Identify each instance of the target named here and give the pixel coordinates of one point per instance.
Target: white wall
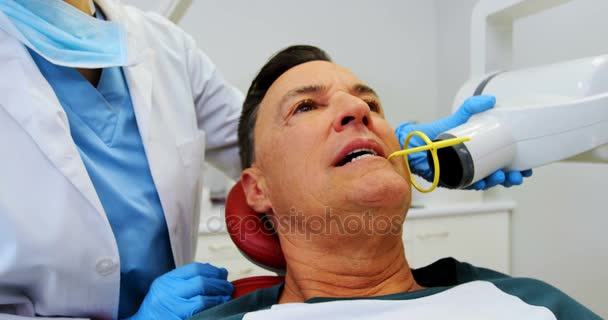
(391, 44)
(453, 27)
(558, 227)
(573, 30)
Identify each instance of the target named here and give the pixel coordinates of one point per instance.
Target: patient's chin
(379, 189)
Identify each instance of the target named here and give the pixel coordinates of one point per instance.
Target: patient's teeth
(361, 157)
(364, 149)
(358, 154)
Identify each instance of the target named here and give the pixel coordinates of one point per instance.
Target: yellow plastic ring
(432, 146)
(435, 161)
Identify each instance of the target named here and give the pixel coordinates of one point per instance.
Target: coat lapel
(140, 73)
(158, 139)
(32, 103)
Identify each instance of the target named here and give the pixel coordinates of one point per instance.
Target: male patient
(314, 142)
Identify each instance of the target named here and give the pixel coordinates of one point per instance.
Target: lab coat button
(105, 267)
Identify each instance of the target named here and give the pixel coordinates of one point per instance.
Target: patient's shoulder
(237, 308)
(449, 272)
(538, 293)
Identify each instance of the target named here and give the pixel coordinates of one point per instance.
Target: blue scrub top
(103, 126)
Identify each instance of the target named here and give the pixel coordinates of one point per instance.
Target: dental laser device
(542, 115)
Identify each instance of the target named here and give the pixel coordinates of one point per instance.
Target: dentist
(106, 114)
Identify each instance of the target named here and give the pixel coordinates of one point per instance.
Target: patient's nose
(352, 112)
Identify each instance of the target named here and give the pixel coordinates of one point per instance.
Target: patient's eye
(373, 105)
(305, 106)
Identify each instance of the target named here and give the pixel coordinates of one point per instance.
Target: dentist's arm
(418, 161)
(218, 109)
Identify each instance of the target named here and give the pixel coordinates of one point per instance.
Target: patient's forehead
(312, 73)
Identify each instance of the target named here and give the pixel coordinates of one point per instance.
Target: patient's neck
(363, 266)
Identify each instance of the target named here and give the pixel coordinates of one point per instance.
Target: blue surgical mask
(64, 35)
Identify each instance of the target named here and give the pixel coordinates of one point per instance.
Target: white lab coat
(58, 255)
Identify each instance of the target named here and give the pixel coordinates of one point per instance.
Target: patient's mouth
(357, 155)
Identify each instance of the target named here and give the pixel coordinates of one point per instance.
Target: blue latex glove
(418, 161)
(185, 291)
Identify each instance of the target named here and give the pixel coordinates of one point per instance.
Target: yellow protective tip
(432, 146)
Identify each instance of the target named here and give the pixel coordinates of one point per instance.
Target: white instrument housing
(542, 115)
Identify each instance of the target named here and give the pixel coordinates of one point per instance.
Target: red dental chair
(250, 233)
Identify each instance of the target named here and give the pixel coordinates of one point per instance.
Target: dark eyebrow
(358, 88)
(364, 89)
(316, 88)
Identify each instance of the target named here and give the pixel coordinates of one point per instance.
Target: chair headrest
(249, 232)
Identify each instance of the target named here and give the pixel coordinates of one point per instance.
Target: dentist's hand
(418, 161)
(185, 291)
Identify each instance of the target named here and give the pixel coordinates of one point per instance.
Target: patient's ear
(255, 190)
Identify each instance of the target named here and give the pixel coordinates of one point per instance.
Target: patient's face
(322, 141)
